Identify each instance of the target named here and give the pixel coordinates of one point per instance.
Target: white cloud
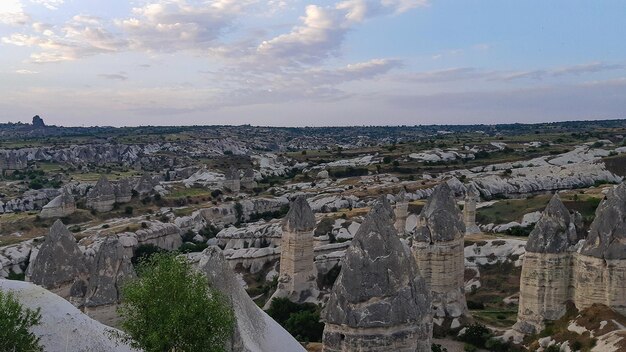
(171, 25)
(49, 4)
(80, 37)
(323, 29)
(12, 13)
(26, 72)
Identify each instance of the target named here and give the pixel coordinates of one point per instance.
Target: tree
(15, 322)
(169, 307)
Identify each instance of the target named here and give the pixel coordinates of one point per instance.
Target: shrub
(438, 348)
(476, 335)
(128, 210)
(305, 326)
(169, 307)
(15, 322)
(144, 251)
(300, 320)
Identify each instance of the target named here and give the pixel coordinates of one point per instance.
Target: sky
(311, 63)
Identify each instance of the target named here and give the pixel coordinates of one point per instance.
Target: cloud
(26, 72)
(171, 25)
(602, 99)
(80, 37)
(49, 4)
(445, 75)
(121, 76)
(12, 13)
(323, 29)
(574, 70)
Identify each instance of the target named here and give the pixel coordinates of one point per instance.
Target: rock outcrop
(401, 211)
(232, 180)
(145, 185)
(123, 191)
(254, 330)
(58, 262)
(110, 267)
(102, 196)
(63, 205)
(298, 274)
(546, 280)
(379, 302)
(600, 267)
(248, 181)
(472, 197)
(438, 249)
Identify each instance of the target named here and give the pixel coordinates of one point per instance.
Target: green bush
(438, 348)
(476, 335)
(169, 307)
(15, 323)
(300, 320)
(144, 251)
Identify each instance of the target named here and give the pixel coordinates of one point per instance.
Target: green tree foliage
(15, 322)
(476, 335)
(300, 320)
(169, 307)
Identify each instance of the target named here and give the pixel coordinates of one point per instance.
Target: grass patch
(509, 210)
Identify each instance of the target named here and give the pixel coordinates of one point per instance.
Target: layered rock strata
(101, 197)
(472, 197)
(438, 249)
(401, 210)
(298, 273)
(600, 266)
(232, 180)
(63, 205)
(379, 302)
(248, 181)
(546, 280)
(123, 191)
(59, 261)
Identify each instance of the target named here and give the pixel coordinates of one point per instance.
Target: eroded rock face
(123, 191)
(607, 234)
(600, 267)
(438, 247)
(298, 273)
(102, 196)
(546, 282)
(110, 267)
(379, 302)
(59, 260)
(472, 197)
(145, 185)
(63, 205)
(255, 330)
(556, 230)
(401, 211)
(232, 181)
(248, 181)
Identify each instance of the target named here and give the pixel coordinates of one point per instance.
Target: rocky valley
(410, 238)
